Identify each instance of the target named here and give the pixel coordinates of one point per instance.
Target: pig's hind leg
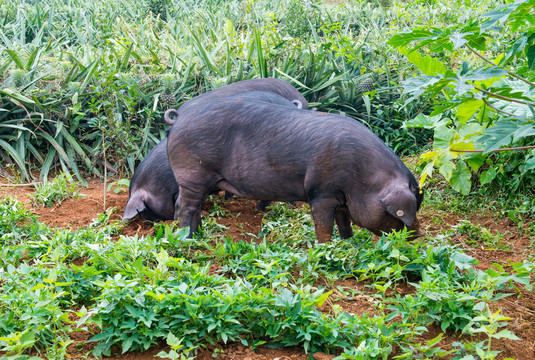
(188, 209)
(343, 221)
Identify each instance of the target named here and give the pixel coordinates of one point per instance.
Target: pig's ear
(134, 206)
(401, 204)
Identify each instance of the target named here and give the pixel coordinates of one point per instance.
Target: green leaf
(523, 131)
(506, 334)
(405, 38)
(498, 135)
(475, 160)
(498, 15)
(446, 169)
(443, 137)
(460, 178)
(16, 157)
(426, 122)
(530, 163)
(428, 65)
(458, 39)
(530, 54)
(463, 261)
(467, 109)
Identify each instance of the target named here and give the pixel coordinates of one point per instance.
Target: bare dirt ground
(73, 213)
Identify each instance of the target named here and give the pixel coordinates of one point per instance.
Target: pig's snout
(417, 231)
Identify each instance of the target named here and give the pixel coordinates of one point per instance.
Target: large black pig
(268, 152)
(153, 188)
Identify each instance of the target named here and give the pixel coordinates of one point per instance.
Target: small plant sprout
(119, 186)
(488, 324)
(60, 188)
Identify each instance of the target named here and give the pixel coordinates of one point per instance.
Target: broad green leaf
(467, 109)
(462, 86)
(426, 122)
(428, 65)
(463, 261)
(475, 160)
(530, 54)
(524, 131)
(446, 169)
(518, 46)
(405, 38)
(460, 178)
(481, 74)
(498, 135)
(458, 39)
(497, 16)
(469, 131)
(522, 14)
(506, 334)
(443, 137)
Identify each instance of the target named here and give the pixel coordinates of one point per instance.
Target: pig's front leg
(323, 213)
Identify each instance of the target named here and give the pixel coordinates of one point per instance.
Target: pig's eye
(400, 213)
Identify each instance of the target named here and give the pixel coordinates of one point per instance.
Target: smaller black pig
(153, 188)
(270, 152)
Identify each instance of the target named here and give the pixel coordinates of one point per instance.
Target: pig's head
(399, 205)
(149, 207)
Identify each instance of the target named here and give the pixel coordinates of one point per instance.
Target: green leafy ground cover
(133, 292)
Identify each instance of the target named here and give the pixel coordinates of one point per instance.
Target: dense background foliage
(85, 83)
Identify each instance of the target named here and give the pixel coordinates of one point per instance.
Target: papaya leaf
(498, 135)
(405, 38)
(426, 122)
(530, 54)
(460, 178)
(467, 109)
(427, 64)
(523, 131)
(443, 137)
(446, 169)
(487, 176)
(523, 13)
(458, 39)
(417, 86)
(497, 16)
(475, 160)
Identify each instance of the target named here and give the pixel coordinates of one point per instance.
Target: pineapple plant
(17, 79)
(366, 85)
(167, 96)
